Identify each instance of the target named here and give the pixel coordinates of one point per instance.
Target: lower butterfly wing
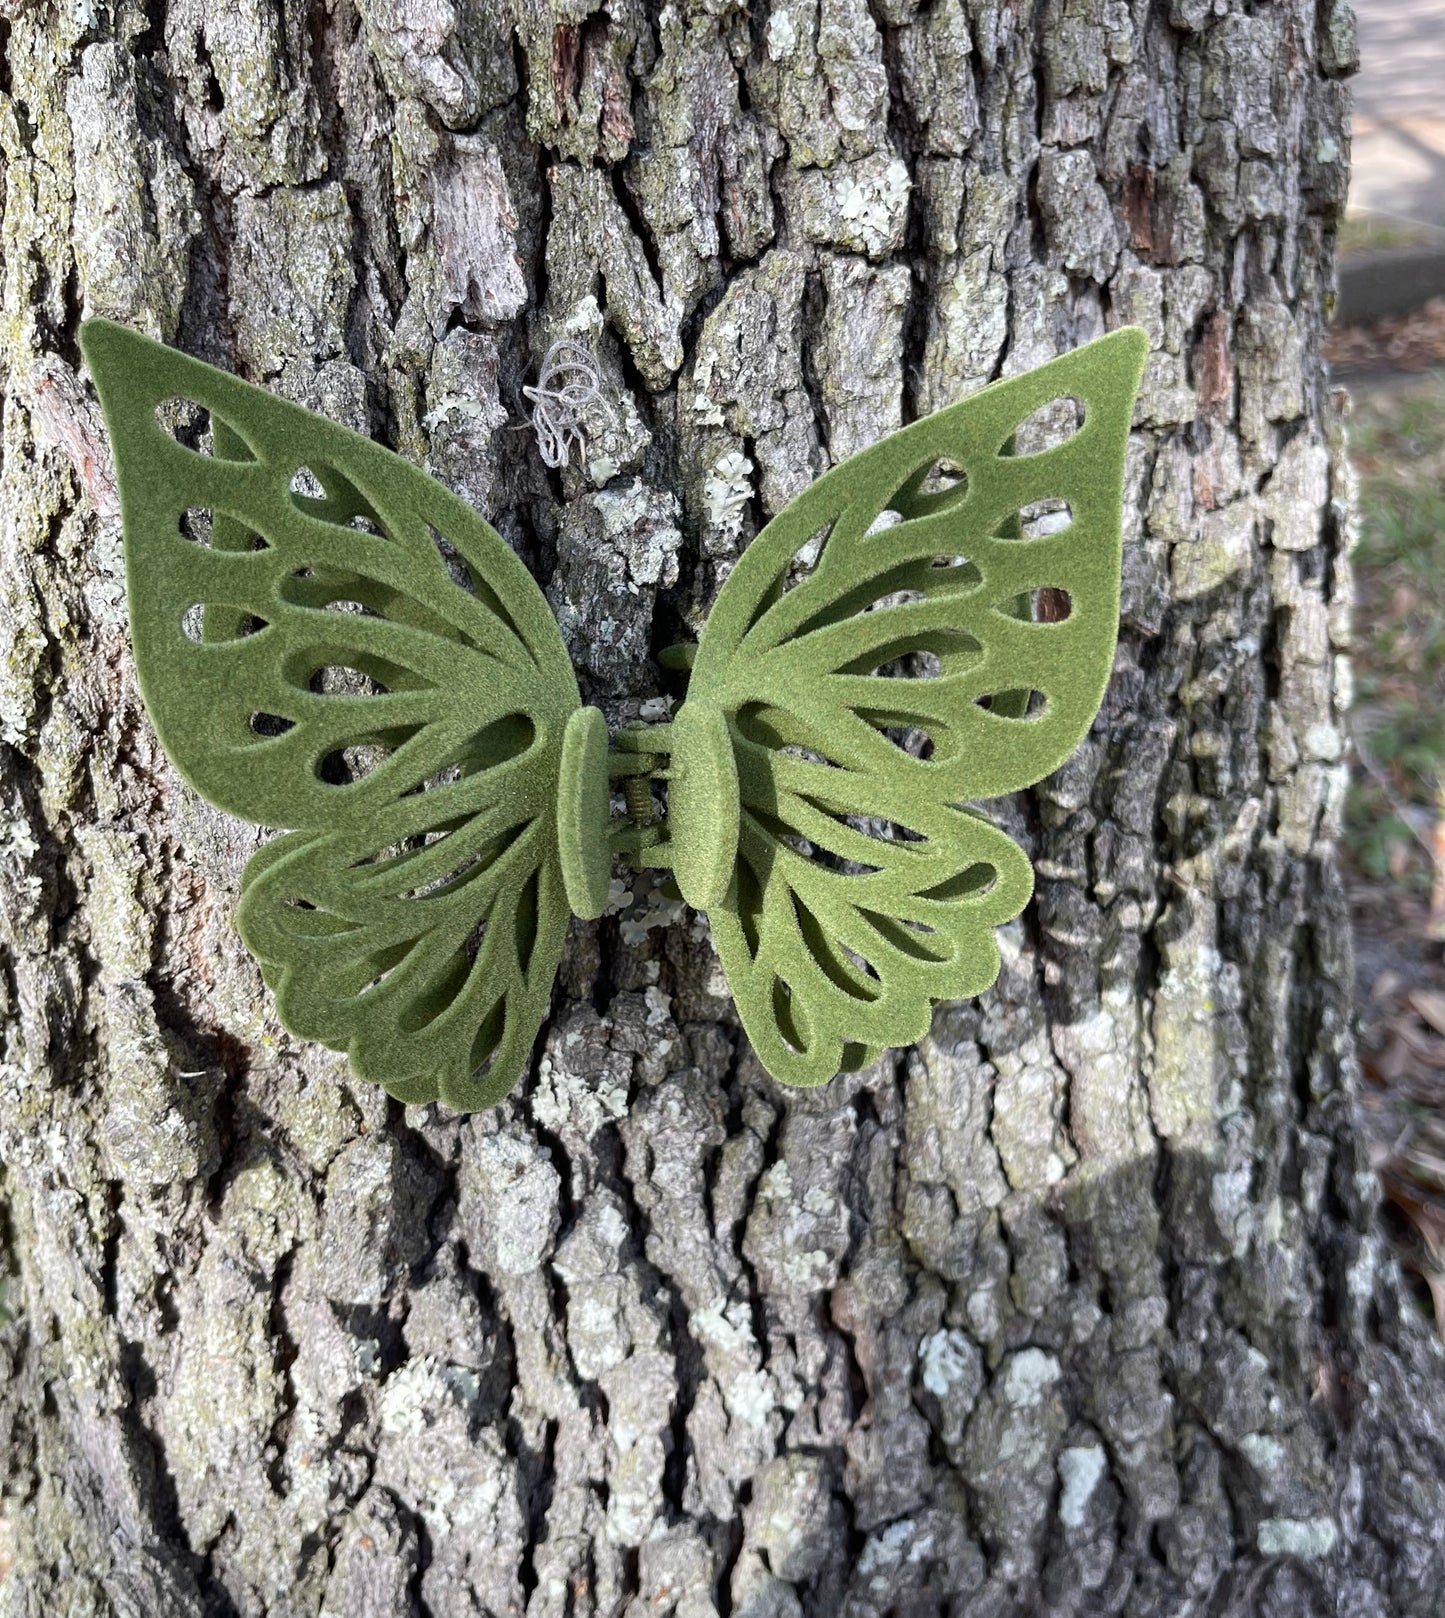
(423, 944)
(874, 670)
(371, 667)
(853, 908)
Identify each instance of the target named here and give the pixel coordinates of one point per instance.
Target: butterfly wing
(872, 680)
(373, 669)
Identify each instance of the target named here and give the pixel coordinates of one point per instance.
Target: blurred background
(1388, 351)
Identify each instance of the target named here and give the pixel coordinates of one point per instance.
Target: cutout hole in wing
(1051, 605)
(972, 882)
(810, 552)
(911, 938)
(945, 476)
(1023, 704)
(344, 766)
(848, 828)
(424, 1009)
(499, 742)
(921, 579)
(193, 427)
(333, 592)
(215, 624)
(399, 862)
(933, 487)
(461, 574)
(800, 566)
(920, 655)
(892, 832)
(488, 1038)
(444, 777)
(840, 965)
(392, 856)
(1049, 426)
(202, 526)
(1038, 519)
(781, 832)
(339, 680)
(195, 524)
(270, 724)
(308, 920)
(383, 964)
(775, 729)
(749, 905)
(318, 490)
(463, 577)
(528, 910)
(451, 882)
(898, 729)
(788, 1015)
(307, 484)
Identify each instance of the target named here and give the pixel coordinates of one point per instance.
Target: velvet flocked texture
(931, 623)
(313, 662)
(372, 668)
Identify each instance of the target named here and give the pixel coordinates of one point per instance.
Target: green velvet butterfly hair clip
(373, 669)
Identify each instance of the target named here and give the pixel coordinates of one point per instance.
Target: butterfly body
(703, 801)
(374, 672)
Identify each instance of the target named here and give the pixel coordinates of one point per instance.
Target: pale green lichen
(946, 1359)
(411, 1395)
(1311, 1539)
(1025, 1128)
(873, 207)
(728, 489)
(1081, 1470)
(1029, 1374)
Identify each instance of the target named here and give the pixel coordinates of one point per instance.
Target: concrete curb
(1374, 286)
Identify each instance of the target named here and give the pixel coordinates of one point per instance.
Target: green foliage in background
(1397, 441)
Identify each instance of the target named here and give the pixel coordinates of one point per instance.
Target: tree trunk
(1077, 1307)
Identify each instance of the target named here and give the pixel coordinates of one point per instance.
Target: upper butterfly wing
(373, 667)
(875, 677)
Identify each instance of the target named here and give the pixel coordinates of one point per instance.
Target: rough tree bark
(1075, 1308)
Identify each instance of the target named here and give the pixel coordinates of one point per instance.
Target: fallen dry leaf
(1427, 1219)
(1429, 1004)
(1386, 984)
(1394, 1063)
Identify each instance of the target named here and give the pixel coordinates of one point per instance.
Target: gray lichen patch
(1081, 1470)
(858, 354)
(509, 1194)
(592, 240)
(746, 382)
(250, 91)
(861, 206)
(135, 216)
(474, 233)
(295, 277)
(453, 57)
(617, 546)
